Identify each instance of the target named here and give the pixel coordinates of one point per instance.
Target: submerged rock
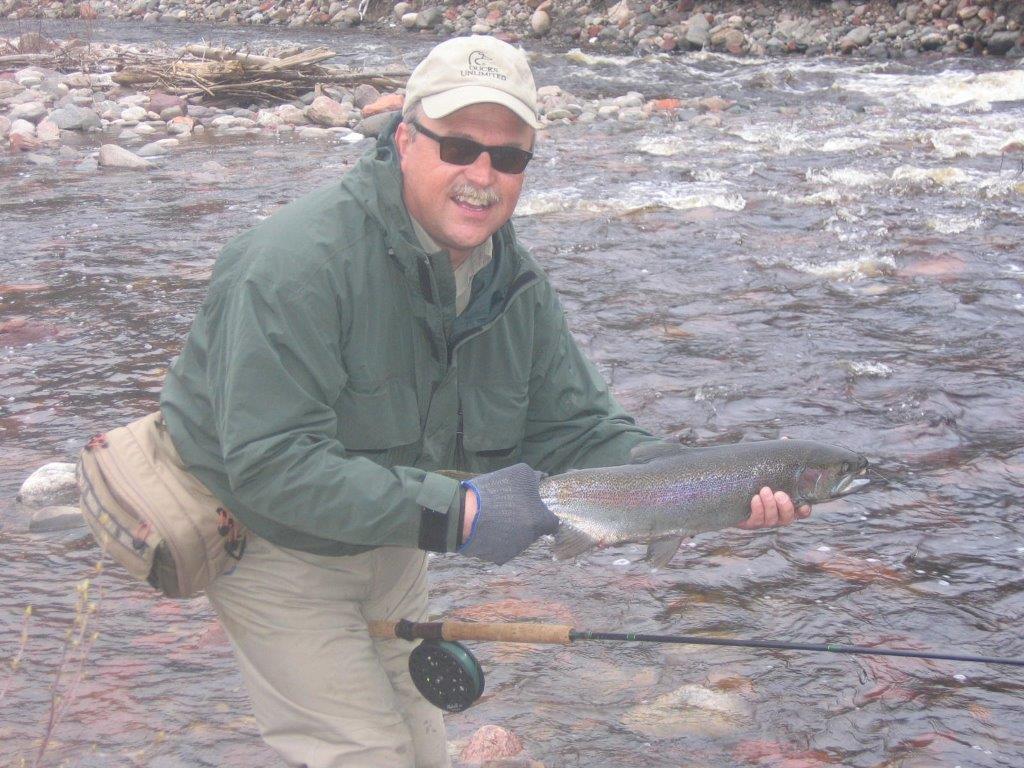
(490, 743)
(689, 710)
(56, 518)
(113, 156)
(51, 484)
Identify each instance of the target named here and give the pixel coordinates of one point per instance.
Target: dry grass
(69, 671)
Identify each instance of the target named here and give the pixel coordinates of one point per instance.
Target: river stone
(24, 127)
(348, 16)
(29, 77)
(268, 119)
(387, 103)
(429, 18)
(33, 111)
(855, 38)
(5, 126)
(52, 483)
(1001, 43)
(409, 19)
(697, 31)
(292, 115)
(47, 130)
(327, 112)
(159, 101)
(364, 94)
(134, 114)
(688, 711)
(113, 156)
(540, 22)
(56, 518)
(490, 742)
(43, 161)
(157, 148)
(181, 125)
(374, 124)
(9, 88)
(75, 118)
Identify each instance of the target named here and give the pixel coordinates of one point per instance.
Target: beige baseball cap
(473, 70)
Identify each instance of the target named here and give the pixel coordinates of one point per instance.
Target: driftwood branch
(228, 74)
(25, 58)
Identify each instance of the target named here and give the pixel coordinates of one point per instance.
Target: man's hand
(503, 514)
(770, 510)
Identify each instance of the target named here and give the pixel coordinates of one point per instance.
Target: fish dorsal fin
(656, 449)
(660, 551)
(571, 542)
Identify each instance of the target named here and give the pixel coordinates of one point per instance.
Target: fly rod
(449, 676)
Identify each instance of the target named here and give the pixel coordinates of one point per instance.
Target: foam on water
(780, 139)
(576, 56)
(953, 225)
(846, 144)
(943, 177)
(868, 368)
(869, 265)
(970, 91)
(845, 177)
(664, 146)
(676, 198)
(955, 88)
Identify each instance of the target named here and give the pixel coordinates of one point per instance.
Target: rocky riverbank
(876, 28)
(49, 113)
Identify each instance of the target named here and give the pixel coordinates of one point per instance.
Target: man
(372, 332)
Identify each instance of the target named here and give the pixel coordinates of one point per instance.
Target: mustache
(477, 196)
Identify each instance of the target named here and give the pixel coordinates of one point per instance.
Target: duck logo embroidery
(482, 65)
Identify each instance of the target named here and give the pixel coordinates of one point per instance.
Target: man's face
(461, 206)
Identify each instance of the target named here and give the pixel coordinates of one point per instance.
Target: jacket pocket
(494, 422)
(381, 423)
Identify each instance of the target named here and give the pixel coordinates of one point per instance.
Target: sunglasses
(458, 151)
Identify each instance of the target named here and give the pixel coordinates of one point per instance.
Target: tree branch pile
(224, 75)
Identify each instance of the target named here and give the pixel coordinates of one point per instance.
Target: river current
(836, 257)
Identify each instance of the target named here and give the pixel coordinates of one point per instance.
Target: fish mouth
(850, 483)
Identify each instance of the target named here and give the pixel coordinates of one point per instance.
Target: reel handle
(513, 632)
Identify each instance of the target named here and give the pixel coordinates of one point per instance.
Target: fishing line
(450, 677)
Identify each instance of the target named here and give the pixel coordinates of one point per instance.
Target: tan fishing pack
(150, 514)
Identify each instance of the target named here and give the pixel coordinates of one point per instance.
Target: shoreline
(874, 28)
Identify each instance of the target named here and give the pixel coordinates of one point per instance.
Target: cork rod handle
(511, 632)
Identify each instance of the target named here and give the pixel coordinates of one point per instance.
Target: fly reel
(446, 674)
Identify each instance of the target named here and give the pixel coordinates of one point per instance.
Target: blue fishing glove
(510, 515)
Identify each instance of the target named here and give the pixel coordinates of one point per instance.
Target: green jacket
(326, 375)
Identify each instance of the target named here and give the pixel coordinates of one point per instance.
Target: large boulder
(697, 32)
(1001, 43)
(327, 112)
(855, 38)
(75, 118)
(51, 484)
(33, 111)
(113, 156)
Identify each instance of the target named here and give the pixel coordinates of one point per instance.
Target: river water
(838, 258)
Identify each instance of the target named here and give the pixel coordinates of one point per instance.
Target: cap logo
(481, 65)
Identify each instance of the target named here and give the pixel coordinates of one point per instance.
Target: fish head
(829, 471)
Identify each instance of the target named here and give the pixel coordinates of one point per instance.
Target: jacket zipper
(521, 283)
(460, 449)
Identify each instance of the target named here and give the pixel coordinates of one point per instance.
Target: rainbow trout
(671, 492)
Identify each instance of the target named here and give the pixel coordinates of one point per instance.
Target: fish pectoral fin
(571, 542)
(656, 449)
(660, 551)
